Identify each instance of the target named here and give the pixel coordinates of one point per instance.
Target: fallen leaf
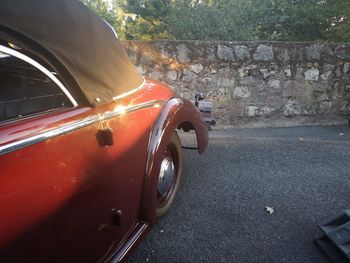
(269, 210)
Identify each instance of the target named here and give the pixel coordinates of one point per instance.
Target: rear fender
(175, 112)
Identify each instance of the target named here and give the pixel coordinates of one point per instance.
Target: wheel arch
(176, 113)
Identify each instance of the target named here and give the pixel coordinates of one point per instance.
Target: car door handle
(105, 137)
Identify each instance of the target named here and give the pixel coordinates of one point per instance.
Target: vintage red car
(89, 152)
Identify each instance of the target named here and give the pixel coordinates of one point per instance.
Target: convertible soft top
(86, 45)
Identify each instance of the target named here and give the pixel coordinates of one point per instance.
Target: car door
(60, 182)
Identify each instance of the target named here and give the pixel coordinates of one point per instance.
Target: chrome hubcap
(166, 176)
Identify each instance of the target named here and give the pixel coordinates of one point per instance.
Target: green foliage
(279, 20)
(301, 20)
(102, 8)
(108, 11)
(147, 20)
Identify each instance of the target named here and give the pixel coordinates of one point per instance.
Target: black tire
(173, 152)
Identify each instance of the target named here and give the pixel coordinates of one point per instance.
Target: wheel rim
(167, 177)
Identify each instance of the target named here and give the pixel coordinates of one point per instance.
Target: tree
(301, 20)
(108, 10)
(294, 20)
(146, 19)
(279, 20)
(102, 8)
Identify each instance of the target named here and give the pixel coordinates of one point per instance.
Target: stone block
(241, 92)
(274, 83)
(291, 108)
(225, 53)
(243, 72)
(266, 111)
(313, 52)
(242, 53)
(183, 55)
(287, 72)
(171, 75)
(225, 82)
(343, 52)
(189, 76)
(133, 55)
(264, 53)
(156, 75)
(251, 111)
(147, 60)
(312, 74)
(210, 53)
(326, 106)
(281, 54)
(346, 68)
(328, 67)
(325, 76)
(267, 73)
(197, 68)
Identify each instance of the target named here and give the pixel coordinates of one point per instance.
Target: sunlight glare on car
(120, 109)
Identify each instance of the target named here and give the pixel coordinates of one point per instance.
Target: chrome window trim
(10, 147)
(111, 28)
(35, 64)
(126, 94)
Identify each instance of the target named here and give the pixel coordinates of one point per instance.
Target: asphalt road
(219, 213)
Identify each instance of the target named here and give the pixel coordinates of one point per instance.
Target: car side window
(25, 90)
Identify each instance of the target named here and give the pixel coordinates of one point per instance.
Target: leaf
(270, 210)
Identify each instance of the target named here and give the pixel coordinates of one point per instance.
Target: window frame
(8, 51)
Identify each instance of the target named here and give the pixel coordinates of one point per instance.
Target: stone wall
(268, 82)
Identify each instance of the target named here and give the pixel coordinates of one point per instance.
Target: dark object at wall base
(206, 108)
(336, 239)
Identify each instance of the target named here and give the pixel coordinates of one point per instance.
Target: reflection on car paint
(120, 110)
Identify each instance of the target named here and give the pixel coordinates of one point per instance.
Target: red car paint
(57, 196)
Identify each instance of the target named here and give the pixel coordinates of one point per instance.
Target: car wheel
(169, 175)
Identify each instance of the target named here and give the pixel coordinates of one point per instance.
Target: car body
(89, 154)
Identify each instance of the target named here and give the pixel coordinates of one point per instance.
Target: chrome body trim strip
(10, 147)
(35, 64)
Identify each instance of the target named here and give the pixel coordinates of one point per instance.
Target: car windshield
(25, 90)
